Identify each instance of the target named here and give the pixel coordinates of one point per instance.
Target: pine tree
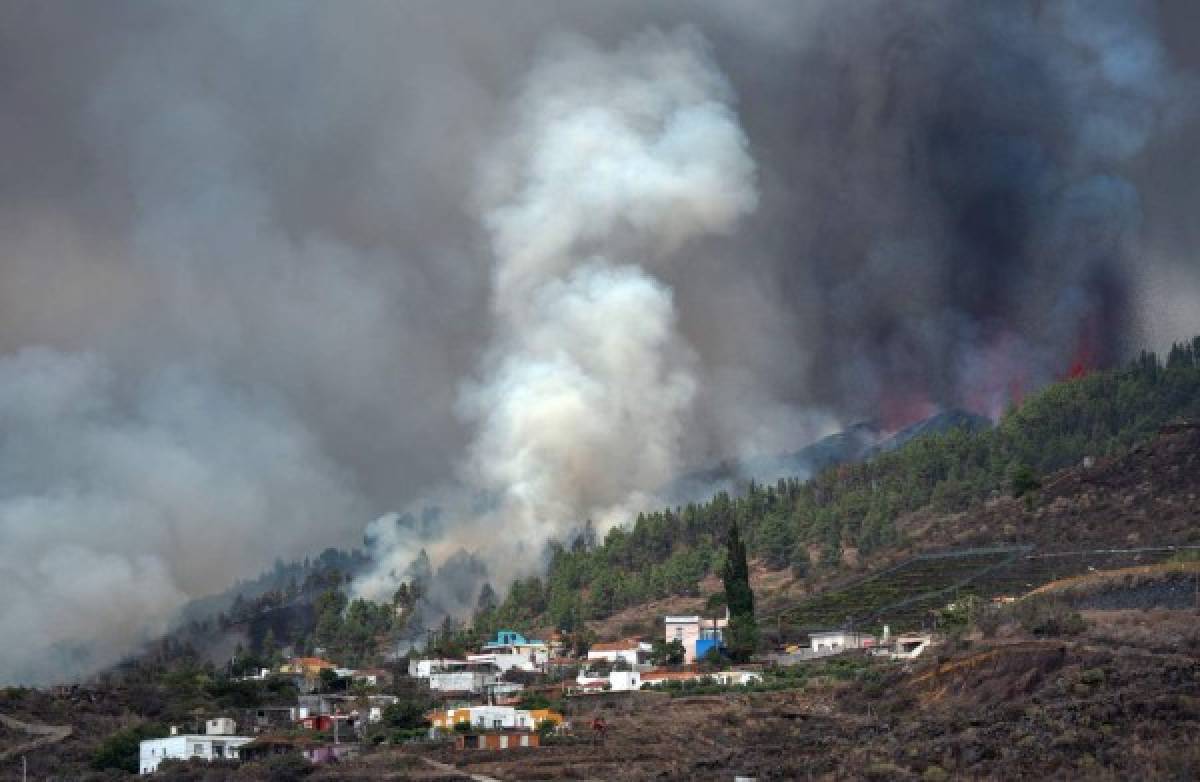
(487, 599)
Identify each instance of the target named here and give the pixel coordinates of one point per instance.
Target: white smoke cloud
(616, 159)
(120, 500)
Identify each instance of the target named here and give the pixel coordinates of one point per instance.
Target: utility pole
(24, 769)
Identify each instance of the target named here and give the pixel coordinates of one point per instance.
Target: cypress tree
(741, 637)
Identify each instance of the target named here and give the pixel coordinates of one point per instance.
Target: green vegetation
(804, 525)
(536, 700)
(664, 653)
(741, 636)
(906, 593)
(120, 750)
(668, 552)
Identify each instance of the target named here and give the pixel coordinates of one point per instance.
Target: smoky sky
(250, 280)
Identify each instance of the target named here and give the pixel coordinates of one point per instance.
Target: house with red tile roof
(633, 651)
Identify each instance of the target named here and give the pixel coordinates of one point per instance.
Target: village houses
(698, 635)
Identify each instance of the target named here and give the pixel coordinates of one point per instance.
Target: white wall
(506, 715)
(460, 681)
(625, 680)
(628, 655)
(840, 641)
(151, 752)
(420, 669)
(505, 662)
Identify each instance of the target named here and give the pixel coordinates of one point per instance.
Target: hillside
(1132, 509)
(1083, 707)
(947, 483)
(1021, 482)
(944, 484)
(1106, 489)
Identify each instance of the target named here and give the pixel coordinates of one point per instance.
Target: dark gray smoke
(252, 263)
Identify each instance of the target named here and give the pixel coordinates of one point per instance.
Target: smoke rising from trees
(271, 270)
(616, 160)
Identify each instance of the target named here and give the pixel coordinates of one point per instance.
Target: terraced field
(903, 596)
(1030, 572)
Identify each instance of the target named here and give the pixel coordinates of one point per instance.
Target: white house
(840, 640)
(209, 746)
(505, 659)
(616, 681)
(512, 642)
(631, 651)
(729, 678)
(909, 647)
(473, 681)
(420, 669)
(491, 717)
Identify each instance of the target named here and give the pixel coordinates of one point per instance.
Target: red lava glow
(996, 377)
(1083, 361)
(900, 410)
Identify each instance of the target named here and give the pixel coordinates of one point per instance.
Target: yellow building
(493, 717)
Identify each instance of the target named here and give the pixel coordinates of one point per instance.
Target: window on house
(197, 749)
(497, 723)
(679, 633)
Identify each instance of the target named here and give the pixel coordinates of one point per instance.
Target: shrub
(121, 749)
(286, 768)
(1023, 481)
(1043, 616)
(406, 714)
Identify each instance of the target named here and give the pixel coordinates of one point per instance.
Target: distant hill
(851, 444)
(940, 423)
(856, 443)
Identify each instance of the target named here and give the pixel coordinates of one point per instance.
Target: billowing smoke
(616, 160)
(285, 268)
(969, 227)
(120, 499)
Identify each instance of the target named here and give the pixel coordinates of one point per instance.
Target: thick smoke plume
(615, 161)
(118, 500)
(269, 270)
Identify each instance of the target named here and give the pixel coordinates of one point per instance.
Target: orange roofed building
(309, 666)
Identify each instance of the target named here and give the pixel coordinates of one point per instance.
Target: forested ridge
(668, 552)
(804, 525)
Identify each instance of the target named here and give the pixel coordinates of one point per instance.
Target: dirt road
(44, 735)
